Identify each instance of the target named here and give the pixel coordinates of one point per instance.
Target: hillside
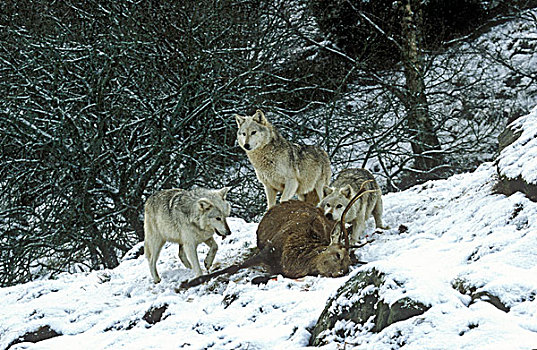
(454, 245)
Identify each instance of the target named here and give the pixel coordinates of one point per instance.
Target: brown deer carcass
(295, 239)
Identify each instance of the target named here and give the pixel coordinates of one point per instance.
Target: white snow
(458, 230)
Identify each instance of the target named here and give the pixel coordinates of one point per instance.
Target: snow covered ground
(459, 232)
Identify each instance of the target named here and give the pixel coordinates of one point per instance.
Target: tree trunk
(423, 139)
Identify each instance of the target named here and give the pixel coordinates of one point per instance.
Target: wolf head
(333, 261)
(335, 200)
(254, 132)
(213, 210)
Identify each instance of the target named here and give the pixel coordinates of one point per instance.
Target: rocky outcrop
(42, 333)
(358, 304)
(517, 162)
(508, 186)
(466, 288)
(154, 315)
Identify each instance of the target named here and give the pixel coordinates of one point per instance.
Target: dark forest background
(104, 102)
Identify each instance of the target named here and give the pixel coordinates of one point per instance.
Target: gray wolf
(294, 239)
(282, 166)
(187, 218)
(340, 193)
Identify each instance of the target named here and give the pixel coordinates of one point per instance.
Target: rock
(516, 164)
(465, 287)
(154, 315)
(491, 299)
(135, 252)
(507, 137)
(358, 301)
(42, 333)
(508, 186)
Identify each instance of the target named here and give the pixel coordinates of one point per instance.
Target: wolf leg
(313, 197)
(358, 224)
(377, 214)
(152, 251)
(183, 257)
(192, 256)
(271, 196)
(358, 228)
(213, 247)
(319, 190)
(291, 185)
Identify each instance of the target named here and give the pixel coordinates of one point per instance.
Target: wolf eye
(328, 205)
(219, 219)
(253, 132)
(339, 206)
(243, 134)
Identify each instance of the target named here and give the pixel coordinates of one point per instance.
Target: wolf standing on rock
(188, 218)
(280, 165)
(343, 189)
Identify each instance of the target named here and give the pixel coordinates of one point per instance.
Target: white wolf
(187, 218)
(280, 165)
(343, 189)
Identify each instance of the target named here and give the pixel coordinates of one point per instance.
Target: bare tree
(124, 99)
(423, 138)
(441, 104)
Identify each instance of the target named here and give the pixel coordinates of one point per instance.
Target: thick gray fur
(280, 165)
(186, 217)
(343, 189)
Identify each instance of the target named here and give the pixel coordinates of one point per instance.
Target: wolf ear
(346, 191)
(239, 120)
(204, 204)
(223, 191)
(327, 190)
(259, 117)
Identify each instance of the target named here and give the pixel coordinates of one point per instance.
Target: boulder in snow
(517, 162)
(359, 304)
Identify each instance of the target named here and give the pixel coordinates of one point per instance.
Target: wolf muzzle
(225, 234)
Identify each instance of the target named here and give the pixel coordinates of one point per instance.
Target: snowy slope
(458, 230)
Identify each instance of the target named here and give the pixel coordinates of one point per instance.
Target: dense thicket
(103, 103)
(370, 31)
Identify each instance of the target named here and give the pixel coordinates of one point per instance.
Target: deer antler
(360, 193)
